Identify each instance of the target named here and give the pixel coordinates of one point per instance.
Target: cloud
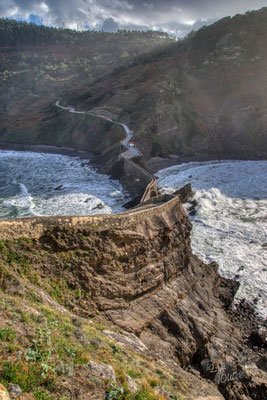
(109, 25)
(174, 16)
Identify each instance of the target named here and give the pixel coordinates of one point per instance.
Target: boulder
(4, 393)
(226, 290)
(132, 385)
(128, 340)
(262, 363)
(103, 371)
(185, 193)
(258, 338)
(14, 391)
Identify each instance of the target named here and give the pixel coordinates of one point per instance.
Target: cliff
(124, 291)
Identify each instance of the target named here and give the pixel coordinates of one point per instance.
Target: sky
(177, 17)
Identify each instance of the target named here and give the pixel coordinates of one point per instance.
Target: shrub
(114, 393)
(7, 334)
(27, 375)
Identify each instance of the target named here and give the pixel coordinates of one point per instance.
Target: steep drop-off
(135, 277)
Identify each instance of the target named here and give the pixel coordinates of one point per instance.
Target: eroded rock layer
(138, 273)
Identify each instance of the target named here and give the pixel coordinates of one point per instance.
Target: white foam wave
(229, 226)
(23, 201)
(52, 184)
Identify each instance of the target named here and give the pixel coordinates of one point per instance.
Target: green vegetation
(173, 92)
(18, 33)
(37, 68)
(42, 346)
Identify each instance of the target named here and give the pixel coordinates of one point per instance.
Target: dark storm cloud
(175, 16)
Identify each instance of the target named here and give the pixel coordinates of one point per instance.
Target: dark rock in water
(192, 213)
(192, 210)
(60, 187)
(226, 291)
(256, 300)
(185, 193)
(88, 199)
(258, 338)
(99, 207)
(241, 268)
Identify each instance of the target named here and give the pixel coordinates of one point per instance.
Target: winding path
(130, 151)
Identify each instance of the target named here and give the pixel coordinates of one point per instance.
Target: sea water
(38, 184)
(230, 223)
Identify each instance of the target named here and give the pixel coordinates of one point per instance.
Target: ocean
(39, 184)
(230, 223)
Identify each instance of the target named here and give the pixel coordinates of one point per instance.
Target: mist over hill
(39, 65)
(203, 95)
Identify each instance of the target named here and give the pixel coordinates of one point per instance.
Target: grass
(52, 351)
(41, 345)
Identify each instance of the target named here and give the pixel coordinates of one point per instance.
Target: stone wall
(35, 227)
(136, 177)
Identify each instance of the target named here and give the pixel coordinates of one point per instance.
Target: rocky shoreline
(180, 308)
(42, 148)
(155, 164)
(140, 278)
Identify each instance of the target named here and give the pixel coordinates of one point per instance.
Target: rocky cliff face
(154, 299)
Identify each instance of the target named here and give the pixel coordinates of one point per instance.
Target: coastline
(155, 164)
(43, 148)
(244, 314)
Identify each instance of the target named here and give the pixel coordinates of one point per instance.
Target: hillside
(206, 95)
(39, 65)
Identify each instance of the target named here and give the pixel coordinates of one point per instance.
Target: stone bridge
(141, 180)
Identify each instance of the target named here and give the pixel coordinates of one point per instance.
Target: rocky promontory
(119, 300)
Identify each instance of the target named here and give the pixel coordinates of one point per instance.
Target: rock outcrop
(139, 274)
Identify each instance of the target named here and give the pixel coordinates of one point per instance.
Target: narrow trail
(130, 152)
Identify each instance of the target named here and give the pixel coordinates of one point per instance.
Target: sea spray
(230, 223)
(51, 184)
